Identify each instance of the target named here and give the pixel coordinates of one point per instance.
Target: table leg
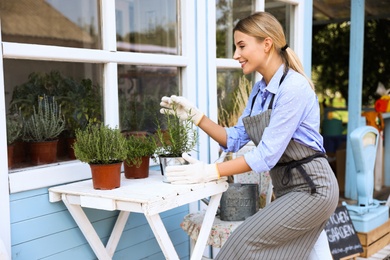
(162, 237)
(90, 234)
(206, 226)
(117, 232)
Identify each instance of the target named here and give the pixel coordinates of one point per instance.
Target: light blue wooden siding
(44, 230)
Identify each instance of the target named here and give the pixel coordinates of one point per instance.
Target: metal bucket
(239, 202)
(169, 161)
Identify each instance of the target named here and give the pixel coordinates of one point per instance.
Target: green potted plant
(178, 137)
(14, 132)
(140, 148)
(24, 96)
(80, 102)
(42, 129)
(104, 149)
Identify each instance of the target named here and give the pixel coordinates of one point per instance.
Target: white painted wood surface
(149, 196)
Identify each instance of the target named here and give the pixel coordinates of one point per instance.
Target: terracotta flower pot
(20, 152)
(132, 172)
(10, 152)
(106, 176)
(43, 152)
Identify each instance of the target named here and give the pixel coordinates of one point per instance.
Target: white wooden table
(149, 196)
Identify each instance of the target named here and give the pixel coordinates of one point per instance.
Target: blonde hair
(262, 25)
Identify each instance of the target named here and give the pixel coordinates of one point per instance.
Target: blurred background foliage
(330, 59)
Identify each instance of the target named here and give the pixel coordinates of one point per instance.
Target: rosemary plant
(138, 147)
(178, 137)
(100, 144)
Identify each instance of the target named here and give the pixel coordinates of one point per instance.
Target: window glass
(71, 23)
(148, 26)
(233, 92)
(140, 91)
(232, 95)
(228, 14)
(75, 87)
(230, 11)
(282, 12)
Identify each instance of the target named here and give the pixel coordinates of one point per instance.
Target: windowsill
(47, 175)
(37, 177)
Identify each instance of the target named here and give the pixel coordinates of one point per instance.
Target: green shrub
(14, 128)
(100, 144)
(138, 147)
(178, 137)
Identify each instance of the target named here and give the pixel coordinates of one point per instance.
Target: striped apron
(306, 193)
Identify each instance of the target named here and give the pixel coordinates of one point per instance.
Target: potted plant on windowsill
(81, 104)
(140, 148)
(178, 137)
(104, 149)
(42, 129)
(14, 132)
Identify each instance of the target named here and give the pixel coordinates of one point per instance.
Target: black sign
(342, 237)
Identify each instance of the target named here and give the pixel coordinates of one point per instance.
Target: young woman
(282, 118)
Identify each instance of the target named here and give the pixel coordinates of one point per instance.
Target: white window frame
(48, 175)
(298, 34)
(45, 176)
(5, 223)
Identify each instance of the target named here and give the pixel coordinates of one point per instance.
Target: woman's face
(249, 52)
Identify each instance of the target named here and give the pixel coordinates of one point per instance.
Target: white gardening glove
(184, 108)
(195, 172)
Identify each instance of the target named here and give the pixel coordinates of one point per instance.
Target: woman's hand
(195, 172)
(184, 108)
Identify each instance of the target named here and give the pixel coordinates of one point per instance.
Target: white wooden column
(206, 73)
(110, 71)
(211, 62)
(305, 33)
(354, 90)
(5, 223)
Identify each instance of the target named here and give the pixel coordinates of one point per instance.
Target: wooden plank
(162, 236)
(70, 241)
(117, 232)
(375, 234)
(88, 230)
(376, 246)
(42, 220)
(97, 203)
(350, 257)
(25, 207)
(182, 198)
(27, 194)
